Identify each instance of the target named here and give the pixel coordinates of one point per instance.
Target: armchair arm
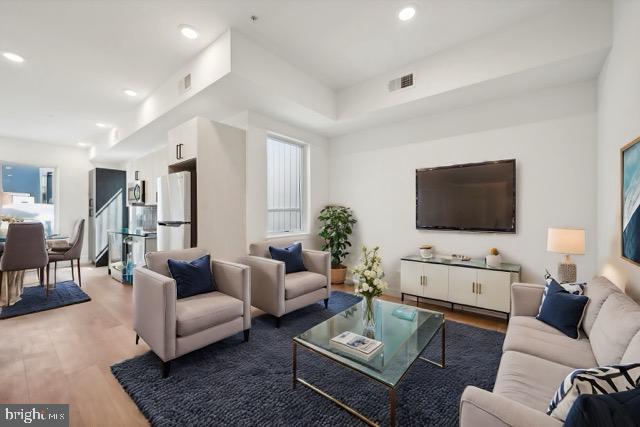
(525, 299)
(267, 284)
(318, 262)
(482, 408)
(154, 311)
(234, 280)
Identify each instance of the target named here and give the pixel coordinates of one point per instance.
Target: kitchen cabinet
(470, 283)
(183, 142)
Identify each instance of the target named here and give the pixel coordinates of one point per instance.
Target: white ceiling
(80, 54)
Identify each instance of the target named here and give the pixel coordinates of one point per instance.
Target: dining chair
(69, 252)
(25, 249)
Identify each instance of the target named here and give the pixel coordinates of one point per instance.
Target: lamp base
(567, 272)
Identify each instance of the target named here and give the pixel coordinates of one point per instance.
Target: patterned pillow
(575, 288)
(603, 380)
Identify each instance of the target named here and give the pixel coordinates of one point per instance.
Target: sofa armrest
(317, 262)
(154, 311)
(525, 299)
(234, 280)
(481, 408)
(267, 284)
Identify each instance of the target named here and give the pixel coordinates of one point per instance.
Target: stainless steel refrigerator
(174, 211)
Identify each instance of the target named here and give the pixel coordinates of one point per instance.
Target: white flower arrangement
(370, 274)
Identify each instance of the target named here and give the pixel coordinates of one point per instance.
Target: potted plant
(337, 226)
(494, 259)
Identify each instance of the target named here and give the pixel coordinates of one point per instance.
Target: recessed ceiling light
(130, 92)
(83, 144)
(406, 13)
(14, 57)
(102, 125)
(188, 32)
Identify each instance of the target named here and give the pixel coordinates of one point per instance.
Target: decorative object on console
(291, 256)
(370, 283)
(426, 251)
(562, 309)
(337, 226)
(630, 164)
(567, 241)
(494, 259)
(192, 277)
(602, 380)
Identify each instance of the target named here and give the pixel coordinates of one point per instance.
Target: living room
(451, 182)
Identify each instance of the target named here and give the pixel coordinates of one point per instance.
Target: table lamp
(567, 241)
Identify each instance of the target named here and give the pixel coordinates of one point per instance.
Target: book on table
(357, 345)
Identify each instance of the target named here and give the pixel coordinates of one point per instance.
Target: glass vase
(368, 314)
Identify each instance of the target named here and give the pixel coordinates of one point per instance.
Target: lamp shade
(565, 241)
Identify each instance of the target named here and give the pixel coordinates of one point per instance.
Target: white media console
(468, 283)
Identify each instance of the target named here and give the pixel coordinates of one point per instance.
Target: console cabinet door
(436, 281)
(494, 290)
(411, 277)
(461, 285)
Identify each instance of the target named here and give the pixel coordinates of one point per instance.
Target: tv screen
(471, 197)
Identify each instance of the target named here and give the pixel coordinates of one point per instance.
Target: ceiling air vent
(401, 82)
(185, 84)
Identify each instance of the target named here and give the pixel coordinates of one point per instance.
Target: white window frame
(304, 203)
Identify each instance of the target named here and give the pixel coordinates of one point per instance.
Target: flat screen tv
(469, 197)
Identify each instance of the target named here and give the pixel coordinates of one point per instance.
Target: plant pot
(338, 274)
(494, 261)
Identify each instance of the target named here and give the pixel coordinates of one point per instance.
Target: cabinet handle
(479, 288)
(473, 287)
(180, 150)
(421, 280)
(177, 148)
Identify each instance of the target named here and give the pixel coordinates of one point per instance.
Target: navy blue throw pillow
(192, 278)
(291, 256)
(562, 310)
(620, 409)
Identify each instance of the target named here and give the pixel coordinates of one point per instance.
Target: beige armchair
(173, 327)
(277, 293)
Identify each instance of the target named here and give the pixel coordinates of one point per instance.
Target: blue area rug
(33, 300)
(248, 384)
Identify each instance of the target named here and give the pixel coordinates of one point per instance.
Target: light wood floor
(64, 355)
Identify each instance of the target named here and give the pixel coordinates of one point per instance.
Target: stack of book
(357, 345)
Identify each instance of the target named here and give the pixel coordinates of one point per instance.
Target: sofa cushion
(192, 277)
(200, 312)
(536, 339)
(297, 284)
(529, 380)
(632, 353)
(157, 261)
(617, 323)
(597, 289)
(601, 380)
(562, 309)
(599, 410)
(291, 256)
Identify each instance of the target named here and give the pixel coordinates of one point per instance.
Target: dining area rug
(246, 384)
(33, 299)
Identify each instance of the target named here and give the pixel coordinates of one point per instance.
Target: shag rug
(33, 299)
(233, 383)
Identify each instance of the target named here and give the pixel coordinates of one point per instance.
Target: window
(26, 193)
(285, 186)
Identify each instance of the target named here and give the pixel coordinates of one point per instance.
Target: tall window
(26, 193)
(285, 186)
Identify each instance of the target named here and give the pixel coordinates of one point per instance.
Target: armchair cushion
(192, 278)
(303, 282)
(203, 311)
(291, 256)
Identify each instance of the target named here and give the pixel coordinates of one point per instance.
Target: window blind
(285, 176)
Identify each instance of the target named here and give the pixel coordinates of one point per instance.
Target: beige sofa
(537, 357)
(173, 327)
(277, 293)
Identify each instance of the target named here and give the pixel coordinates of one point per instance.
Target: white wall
(555, 147)
(257, 127)
(72, 178)
(618, 124)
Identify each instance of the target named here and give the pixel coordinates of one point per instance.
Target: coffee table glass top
(403, 340)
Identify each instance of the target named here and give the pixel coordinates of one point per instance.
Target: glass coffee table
(403, 342)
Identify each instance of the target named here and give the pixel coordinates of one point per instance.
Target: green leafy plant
(337, 226)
